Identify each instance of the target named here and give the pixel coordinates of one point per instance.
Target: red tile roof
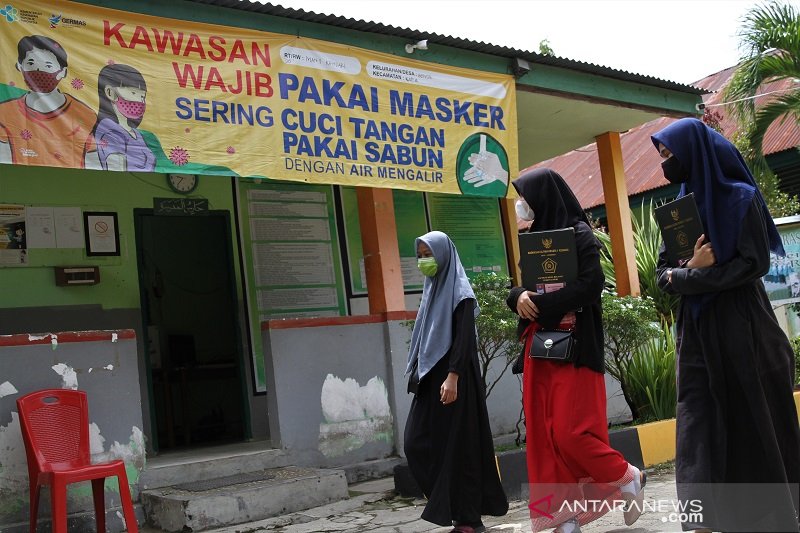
(642, 164)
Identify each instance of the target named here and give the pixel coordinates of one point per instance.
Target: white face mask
(523, 210)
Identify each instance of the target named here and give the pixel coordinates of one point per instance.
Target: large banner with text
(89, 87)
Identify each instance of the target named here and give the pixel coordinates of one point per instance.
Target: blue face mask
(428, 266)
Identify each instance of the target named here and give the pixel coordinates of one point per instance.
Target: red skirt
(572, 469)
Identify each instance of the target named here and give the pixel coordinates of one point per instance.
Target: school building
(208, 211)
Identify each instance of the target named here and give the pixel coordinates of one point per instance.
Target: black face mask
(674, 171)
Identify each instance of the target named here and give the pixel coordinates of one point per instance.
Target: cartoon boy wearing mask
(44, 127)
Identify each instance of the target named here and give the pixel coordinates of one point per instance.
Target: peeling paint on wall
(114, 431)
(96, 440)
(69, 378)
(354, 415)
(14, 468)
(133, 453)
(7, 389)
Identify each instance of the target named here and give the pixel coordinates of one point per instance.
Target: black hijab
(553, 202)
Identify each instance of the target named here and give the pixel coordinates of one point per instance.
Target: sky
(676, 40)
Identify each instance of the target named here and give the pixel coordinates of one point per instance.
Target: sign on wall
(475, 226)
(782, 282)
(291, 252)
(13, 240)
(123, 91)
(409, 212)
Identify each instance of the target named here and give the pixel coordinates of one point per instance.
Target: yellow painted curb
(797, 402)
(657, 441)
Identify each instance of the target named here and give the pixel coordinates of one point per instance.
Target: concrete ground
(373, 506)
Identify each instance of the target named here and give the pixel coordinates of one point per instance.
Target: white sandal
(634, 507)
(570, 526)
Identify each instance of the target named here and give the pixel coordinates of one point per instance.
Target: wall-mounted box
(77, 275)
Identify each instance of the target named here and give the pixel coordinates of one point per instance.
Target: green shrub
(496, 324)
(647, 241)
(796, 349)
(651, 376)
(629, 322)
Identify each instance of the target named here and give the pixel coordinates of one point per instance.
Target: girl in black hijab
(569, 458)
(738, 445)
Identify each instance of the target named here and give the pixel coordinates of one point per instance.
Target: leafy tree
(779, 203)
(545, 49)
(770, 38)
(496, 325)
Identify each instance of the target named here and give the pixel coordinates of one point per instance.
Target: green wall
(33, 285)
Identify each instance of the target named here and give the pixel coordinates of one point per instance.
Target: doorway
(194, 355)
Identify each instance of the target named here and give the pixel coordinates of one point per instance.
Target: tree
(778, 202)
(545, 49)
(497, 328)
(770, 38)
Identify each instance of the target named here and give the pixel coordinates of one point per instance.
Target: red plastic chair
(55, 429)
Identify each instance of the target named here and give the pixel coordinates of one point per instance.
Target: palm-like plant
(647, 241)
(770, 38)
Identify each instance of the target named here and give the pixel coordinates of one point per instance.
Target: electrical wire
(749, 98)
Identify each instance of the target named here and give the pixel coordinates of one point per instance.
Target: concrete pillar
(609, 150)
(381, 253)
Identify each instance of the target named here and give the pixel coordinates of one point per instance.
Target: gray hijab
(433, 329)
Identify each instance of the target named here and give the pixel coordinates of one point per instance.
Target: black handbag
(553, 345)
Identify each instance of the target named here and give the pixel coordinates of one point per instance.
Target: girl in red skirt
(574, 475)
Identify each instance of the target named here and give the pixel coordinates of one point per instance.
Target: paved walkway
(373, 506)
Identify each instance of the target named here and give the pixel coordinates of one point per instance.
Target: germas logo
(10, 13)
(61, 20)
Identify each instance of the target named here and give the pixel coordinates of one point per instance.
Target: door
(189, 307)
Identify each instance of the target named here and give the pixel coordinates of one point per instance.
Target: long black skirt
(738, 440)
(450, 451)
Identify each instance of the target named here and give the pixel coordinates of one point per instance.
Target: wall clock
(182, 183)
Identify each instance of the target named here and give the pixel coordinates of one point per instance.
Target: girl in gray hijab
(448, 441)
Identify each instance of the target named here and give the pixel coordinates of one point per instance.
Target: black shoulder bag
(552, 344)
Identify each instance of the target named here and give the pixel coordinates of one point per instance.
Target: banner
(782, 281)
(90, 87)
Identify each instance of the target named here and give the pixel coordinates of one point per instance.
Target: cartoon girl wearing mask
(122, 93)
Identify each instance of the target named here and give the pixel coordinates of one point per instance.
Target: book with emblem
(548, 259)
(680, 226)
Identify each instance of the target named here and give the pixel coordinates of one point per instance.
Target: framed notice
(411, 222)
(293, 266)
(101, 233)
(475, 227)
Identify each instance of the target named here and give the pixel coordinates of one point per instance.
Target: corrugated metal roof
(642, 164)
(446, 40)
